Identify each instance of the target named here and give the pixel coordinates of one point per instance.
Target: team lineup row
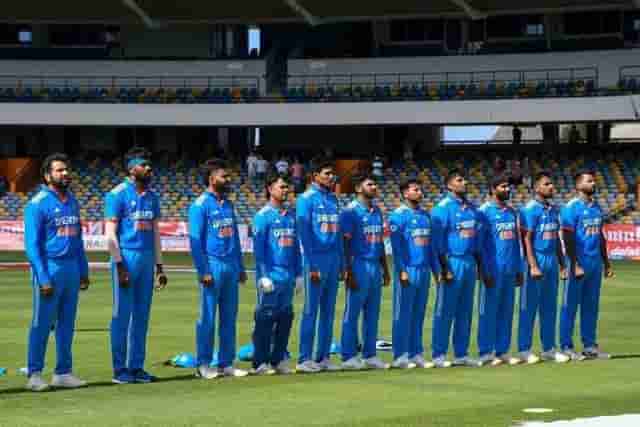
(314, 247)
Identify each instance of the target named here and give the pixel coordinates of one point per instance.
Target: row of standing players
(456, 244)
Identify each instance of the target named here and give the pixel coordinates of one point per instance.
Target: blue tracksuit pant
(495, 308)
(222, 295)
(273, 317)
(59, 309)
(586, 294)
(319, 297)
(539, 297)
(131, 309)
(454, 303)
(366, 299)
(409, 309)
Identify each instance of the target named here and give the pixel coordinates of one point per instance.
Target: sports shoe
(353, 364)
(141, 376)
(528, 358)
(307, 367)
(122, 376)
(486, 359)
(263, 369)
(207, 373)
(230, 371)
(441, 362)
(419, 361)
(595, 353)
(375, 363)
(509, 360)
(67, 381)
(554, 356)
(467, 361)
(573, 355)
(327, 365)
(283, 368)
(36, 383)
(402, 362)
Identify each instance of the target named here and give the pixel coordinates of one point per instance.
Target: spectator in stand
(377, 167)
(516, 172)
(498, 166)
(262, 165)
(517, 135)
(574, 135)
(408, 151)
(297, 175)
(4, 185)
(252, 166)
(282, 165)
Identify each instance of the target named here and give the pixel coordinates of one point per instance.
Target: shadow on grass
(99, 384)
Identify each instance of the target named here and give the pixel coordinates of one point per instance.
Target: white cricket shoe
(375, 363)
(307, 367)
(554, 356)
(467, 361)
(595, 353)
(67, 381)
(419, 361)
(528, 358)
(328, 366)
(230, 371)
(263, 369)
(36, 383)
(441, 362)
(402, 362)
(487, 359)
(509, 360)
(353, 364)
(283, 368)
(573, 355)
(207, 373)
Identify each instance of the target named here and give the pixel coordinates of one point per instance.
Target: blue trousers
(59, 309)
(366, 300)
(409, 309)
(319, 297)
(495, 308)
(454, 302)
(222, 295)
(273, 317)
(539, 297)
(586, 294)
(131, 310)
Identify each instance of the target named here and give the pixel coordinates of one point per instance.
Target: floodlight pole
(303, 12)
(472, 12)
(144, 16)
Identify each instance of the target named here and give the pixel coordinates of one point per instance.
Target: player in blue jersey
(278, 273)
(414, 260)
(317, 221)
(132, 212)
(540, 224)
(457, 229)
(586, 248)
(59, 269)
(366, 273)
(501, 247)
(217, 256)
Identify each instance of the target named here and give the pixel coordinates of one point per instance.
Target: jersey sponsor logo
(285, 236)
(592, 226)
(66, 220)
(506, 230)
(466, 229)
(141, 215)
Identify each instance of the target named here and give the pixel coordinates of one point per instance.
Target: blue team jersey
(412, 239)
(53, 230)
(456, 227)
(365, 227)
(544, 222)
(318, 223)
(500, 236)
(275, 244)
(134, 213)
(586, 221)
(213, 232)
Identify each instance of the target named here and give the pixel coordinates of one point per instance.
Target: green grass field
(451, 397)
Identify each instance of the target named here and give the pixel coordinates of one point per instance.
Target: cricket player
(540, 222)
(132, 212)
(582, 231)
(317, 221)
(457, 228)
(59, 269)
(217, 256)
(278, 274)
(366, 272)
(501, 247)
(414, 260)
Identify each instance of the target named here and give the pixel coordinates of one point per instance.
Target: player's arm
(347, 226)
(569, 221)
(519, 261)
(157, 246)
(112, 219)
(608, 271)
(260, 234)
(237, 249)
(440, 216)
(83, 263)
(529, 224)
(481, 246)
(34, 224)
(305, 233)
(398, 247)
(197, 241)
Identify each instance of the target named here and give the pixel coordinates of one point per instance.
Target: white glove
(266, 285)
(299, 284)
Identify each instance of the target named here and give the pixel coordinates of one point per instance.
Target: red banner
(623, 241)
